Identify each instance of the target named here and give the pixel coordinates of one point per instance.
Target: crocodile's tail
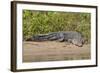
(43, 37)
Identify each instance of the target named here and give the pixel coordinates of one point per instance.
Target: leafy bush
(40, 22)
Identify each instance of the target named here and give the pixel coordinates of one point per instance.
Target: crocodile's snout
(77, 42)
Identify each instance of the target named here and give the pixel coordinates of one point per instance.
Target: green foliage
(40, 22)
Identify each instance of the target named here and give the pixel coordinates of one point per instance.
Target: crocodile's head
(78, 42)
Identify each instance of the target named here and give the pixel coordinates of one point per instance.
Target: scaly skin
(68, 36)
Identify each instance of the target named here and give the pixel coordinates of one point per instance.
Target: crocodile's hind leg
(61, 37)
(60, 40)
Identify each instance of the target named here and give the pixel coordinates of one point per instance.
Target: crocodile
(66, 36)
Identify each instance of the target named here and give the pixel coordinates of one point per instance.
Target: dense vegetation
(40, 22)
